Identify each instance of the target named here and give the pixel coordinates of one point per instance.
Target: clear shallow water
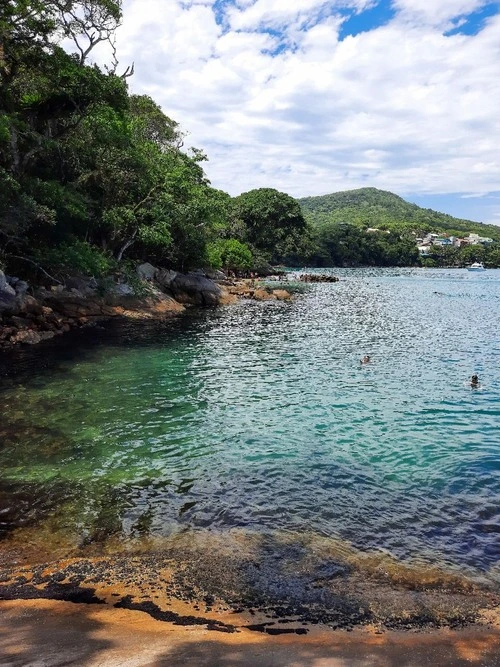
(259, 416)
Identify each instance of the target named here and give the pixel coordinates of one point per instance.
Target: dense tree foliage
(344, 244)
(230, 254)
(91, 175)
(272, 222)
(84, 165)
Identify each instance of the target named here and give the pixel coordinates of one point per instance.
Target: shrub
(229, 254)
(77, 257)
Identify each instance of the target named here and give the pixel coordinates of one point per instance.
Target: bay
(259, 417)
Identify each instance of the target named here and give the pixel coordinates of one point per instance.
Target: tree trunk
(124, 247)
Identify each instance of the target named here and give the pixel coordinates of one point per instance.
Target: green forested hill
(94, 179)
(369, 207)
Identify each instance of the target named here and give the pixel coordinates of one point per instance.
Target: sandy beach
(50, 633)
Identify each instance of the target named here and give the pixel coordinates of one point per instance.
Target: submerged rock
(318, 278)
(282, 294)
(31, 337)
(263, 295)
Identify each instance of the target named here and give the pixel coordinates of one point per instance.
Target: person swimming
(365, 360)
(474, 381)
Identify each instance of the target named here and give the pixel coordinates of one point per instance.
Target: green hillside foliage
(341, 230)
(369, 207)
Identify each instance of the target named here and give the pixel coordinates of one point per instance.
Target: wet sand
(50, 633)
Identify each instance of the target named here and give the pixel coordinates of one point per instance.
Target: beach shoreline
(49, 633)
(217, 599)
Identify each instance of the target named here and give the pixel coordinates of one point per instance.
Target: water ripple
(261, 416)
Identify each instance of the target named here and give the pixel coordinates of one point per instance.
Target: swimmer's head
(474, 380)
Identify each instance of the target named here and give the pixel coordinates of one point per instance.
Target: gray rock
(147, 271)
(8, 297)
(20, 288)
(86, 286)
(195, 289)
(122, 290)
(165, 277)
(216, 275)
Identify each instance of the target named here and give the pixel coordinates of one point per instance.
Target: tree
(45, 95)
(230, 254)
(270, 218)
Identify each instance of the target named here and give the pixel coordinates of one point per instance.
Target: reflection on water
(261, 417)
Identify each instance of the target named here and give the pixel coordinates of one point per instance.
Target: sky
(312, 97)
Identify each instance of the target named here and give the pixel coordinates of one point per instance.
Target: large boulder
(165, 277)
(8, 297)
(147, 271)
(195, 289)
(215, 274)
(69, 304)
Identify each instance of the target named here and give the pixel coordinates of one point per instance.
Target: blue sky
(315, 96)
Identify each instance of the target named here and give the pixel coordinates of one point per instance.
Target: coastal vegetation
(373, 227)
(94, 178)
(92, 175)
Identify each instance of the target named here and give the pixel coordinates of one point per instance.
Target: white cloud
(276, 13)
(437, 12)
(400, 107)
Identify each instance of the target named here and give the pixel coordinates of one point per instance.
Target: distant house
(475, 239)
(441, 241)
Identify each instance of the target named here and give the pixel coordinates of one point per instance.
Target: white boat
(477, 266)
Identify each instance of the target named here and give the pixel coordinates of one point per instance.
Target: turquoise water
(260, 416)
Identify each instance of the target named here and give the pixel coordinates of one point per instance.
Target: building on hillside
(475, 239)
(424, 244)
(442, 241)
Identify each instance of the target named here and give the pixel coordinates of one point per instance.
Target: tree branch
(30, 261)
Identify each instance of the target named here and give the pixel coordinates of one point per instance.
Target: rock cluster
(30, 319)
(317, 278)
(249, 290)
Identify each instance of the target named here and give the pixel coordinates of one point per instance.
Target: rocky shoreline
(30, 315)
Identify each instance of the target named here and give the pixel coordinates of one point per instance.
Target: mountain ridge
(371, 207)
